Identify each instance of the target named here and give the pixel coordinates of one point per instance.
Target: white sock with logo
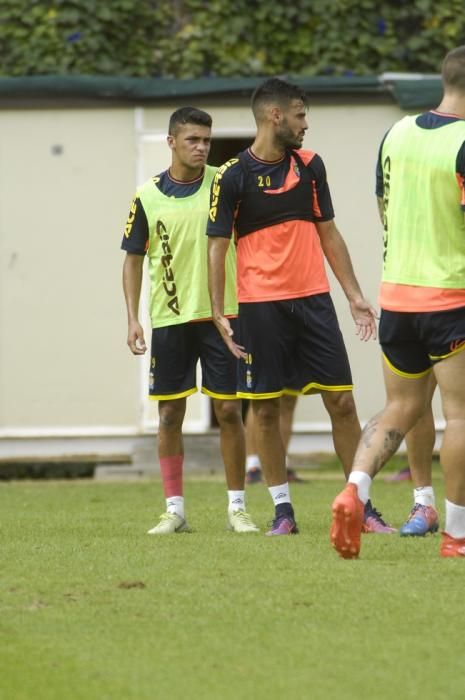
(280, 494)
(175, 504)
(424, 495)
(455, 520)
(363, 483)
(236, 501)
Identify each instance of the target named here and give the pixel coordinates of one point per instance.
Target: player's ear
(171, 141)
(276, 114)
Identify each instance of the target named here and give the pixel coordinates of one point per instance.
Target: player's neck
(265, 148)
(182, 173)
(452, 104)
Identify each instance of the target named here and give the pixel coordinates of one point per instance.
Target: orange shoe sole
(346, 528)
(451, 547)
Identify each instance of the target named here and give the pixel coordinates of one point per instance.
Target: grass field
(92, 608)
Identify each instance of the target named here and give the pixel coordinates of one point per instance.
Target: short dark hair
(188, 115)
(453, 69)
(276, 90)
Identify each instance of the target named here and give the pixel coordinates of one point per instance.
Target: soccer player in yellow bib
(422, 326)
(167, 224)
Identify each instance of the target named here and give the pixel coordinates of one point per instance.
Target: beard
(286, 138)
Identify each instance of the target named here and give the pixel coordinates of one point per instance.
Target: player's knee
(341, 405)
(267, 414)
(170, 415)
(228, 412)
(407, 411)
(454, 411)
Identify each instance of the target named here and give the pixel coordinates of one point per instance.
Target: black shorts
(293, 346)
(174, 356)
(413, 342)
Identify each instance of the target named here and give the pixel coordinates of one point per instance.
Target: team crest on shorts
(153, 362)
(248, 373)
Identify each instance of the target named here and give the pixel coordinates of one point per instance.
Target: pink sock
(171, 474)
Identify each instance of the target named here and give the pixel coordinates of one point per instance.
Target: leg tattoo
(372, 455)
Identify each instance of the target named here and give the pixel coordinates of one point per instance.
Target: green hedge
(197, 38)
(47, 469)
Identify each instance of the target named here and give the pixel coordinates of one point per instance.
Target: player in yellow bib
(167, 225)
(422, 326)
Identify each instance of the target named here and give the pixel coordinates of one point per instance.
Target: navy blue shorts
(174, 356)
(294, 346)
(413, 342)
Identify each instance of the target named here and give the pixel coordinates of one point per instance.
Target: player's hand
(365, 317)
(226, 332)
(136, 340)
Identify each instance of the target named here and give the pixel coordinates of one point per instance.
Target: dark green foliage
(43, 469)
(196, 38)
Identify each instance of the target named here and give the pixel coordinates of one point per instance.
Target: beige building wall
(66, 182)
(66, 179)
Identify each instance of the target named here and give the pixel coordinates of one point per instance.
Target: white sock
(236, 500)
(175, 504)
(252, 462)
(363, 483)
(455, 520)
(280, 494)
(424, 495)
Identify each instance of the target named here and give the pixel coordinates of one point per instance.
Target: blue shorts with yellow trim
(413, 342)
(293, 346)
(174, 356)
